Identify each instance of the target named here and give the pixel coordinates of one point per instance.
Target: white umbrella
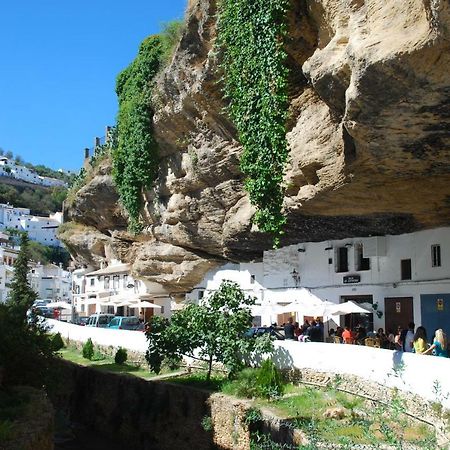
(60, 305)
(144, 305)
(266, 309)
(349, 307)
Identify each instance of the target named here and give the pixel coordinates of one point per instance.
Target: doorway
(398, 311)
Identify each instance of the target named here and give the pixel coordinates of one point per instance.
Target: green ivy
(251, 36)
(135, 159)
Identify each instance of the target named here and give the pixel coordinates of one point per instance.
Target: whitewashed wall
(406, 371)
(131, 340)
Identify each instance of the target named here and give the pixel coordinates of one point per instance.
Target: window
(436, 255)
(162, 310)
(361, 262)
(92, 281)
(342, 259)
(200, 295)
(106, 283)
(406, 269)
(252, 279)
(125, 281)
(116, 279)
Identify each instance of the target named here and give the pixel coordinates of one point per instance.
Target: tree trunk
(208, 375)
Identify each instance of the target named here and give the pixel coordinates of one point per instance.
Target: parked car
(124, 323)
(100, 320)
(259, 331)
(43, 311)
(80, 321)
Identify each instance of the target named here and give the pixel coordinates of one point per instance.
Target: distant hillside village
(39, 229)
(12, 169)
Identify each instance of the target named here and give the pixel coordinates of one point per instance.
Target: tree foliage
(213, 331)
(41, 201)
(26, 351)
(251, 36)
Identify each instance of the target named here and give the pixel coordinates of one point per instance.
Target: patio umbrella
(348, 307)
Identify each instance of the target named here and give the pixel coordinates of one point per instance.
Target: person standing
(407, 338)
(439, 346)
(289, 329)
(420, 340)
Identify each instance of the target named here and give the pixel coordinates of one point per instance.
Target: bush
(268, 380)
(121, 356)
(88, 349)
(57, 342)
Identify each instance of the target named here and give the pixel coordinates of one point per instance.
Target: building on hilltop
(11, 169)
(400, 278)
(112, 289)
(39, 229)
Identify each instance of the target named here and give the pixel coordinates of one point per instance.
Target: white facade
(8, 257)
(113, 290)
(394, 273)
(51, 282)
(39, 229)
(11, 169)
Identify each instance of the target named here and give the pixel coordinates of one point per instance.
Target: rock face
(369, 136)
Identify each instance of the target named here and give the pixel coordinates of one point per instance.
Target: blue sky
(58, 65)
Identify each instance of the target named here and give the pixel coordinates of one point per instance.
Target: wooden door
(398, 311)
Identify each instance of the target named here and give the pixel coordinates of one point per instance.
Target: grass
(199, 381)
(105, 363)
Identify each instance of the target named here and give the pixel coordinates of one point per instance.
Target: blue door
(435, 313)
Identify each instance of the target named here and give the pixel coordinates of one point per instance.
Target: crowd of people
(408, 340)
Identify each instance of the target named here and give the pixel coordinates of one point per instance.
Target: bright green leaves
(251, 38)
(135, 160)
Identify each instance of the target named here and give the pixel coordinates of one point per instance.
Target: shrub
(268, 380)
(88, 349)
(121, 356)
(57, 342)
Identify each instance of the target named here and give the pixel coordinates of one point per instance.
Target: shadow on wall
(137, 414)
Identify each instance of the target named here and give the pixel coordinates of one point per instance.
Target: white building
(11, 169)
(39, 229)
(8, 256)
(113, 290)
(405, 277)
(51, 282)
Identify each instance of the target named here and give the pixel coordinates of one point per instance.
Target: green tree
(22, 295)
(26, 352)
(213, 332)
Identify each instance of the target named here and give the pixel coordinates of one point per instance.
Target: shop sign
(440, 304)
(352, 279)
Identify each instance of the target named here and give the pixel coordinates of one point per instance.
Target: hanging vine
(251, 36)
(135, 159)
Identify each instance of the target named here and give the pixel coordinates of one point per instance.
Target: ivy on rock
(135, 160)
(251, 37)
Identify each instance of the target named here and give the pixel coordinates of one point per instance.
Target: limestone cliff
(368, 134)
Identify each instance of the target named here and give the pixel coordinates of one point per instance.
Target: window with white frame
(116, 279)
(361, 262)
(342, 259)
(106, 283)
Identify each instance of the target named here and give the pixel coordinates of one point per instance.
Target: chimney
(86, 153)
(107, 132)
(97, 142)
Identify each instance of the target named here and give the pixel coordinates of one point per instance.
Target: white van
(99, 320)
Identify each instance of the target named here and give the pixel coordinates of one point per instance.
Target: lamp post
(296, 277)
